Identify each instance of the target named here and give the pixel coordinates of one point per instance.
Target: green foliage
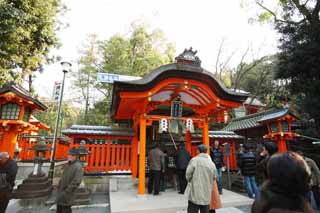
(27, 32)
(299, 62)
(135, 55)
(69, 116)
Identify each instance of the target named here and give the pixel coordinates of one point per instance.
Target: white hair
(4, 155)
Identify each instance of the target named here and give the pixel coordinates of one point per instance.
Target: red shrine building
(169, 105)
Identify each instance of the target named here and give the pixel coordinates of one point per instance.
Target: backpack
(3, 181)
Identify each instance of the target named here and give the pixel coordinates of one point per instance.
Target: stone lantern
(37, 184)
(82, 194)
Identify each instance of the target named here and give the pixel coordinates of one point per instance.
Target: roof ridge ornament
(189, 57)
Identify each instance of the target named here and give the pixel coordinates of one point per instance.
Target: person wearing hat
(200, 175)
(247, 165)
(69, 182)
(182, 160)
(8, 172)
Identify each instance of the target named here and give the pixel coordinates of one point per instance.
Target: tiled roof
(98, 130)
(220, 134)
(20, 91)
(256, 119)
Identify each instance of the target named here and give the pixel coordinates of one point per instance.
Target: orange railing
(27, 154)
(108, 157)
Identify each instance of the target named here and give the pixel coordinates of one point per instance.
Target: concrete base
(127, 200)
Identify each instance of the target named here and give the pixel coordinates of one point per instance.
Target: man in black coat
(247, 166)
(8, 172)
(217, 157)
(182, 160)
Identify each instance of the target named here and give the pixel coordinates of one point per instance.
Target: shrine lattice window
(26, 114)
(274, 127)
(10, 111)
(285, 127)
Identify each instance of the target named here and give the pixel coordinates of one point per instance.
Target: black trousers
(64, 209)
(182, 180)
(194, 208)
(154, 182)
(4, 201)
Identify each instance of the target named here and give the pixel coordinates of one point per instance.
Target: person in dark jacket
(8, 172)
(182, 160)
(268, 149)
(156, 164)
(286, 186)
(217, 157)
(69, 182)
(247, 165)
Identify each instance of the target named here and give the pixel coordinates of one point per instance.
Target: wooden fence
(104, 158)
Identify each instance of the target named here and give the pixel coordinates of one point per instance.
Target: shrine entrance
(173, 100)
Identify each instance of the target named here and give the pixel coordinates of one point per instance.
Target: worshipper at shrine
(314, 193)
(217, 157)
(69, 182)
(8, 172)
(247, 165)
(156, 166)
(182, 160)
(268, 149)
(200, 175)
(285, 188)
(163, 183)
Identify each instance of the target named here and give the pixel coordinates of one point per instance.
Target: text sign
(110, 78)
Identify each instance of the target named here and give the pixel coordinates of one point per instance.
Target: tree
(27, 33)
(69, 116)
(135, 55)
(299, 61)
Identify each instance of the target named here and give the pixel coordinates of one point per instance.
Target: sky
(199, 24)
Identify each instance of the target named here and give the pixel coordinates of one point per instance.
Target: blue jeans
(251, 185)
(219, 180)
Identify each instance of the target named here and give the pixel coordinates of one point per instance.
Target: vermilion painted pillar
(142, 158)
(134, 156)
(188, 141)
(8, 142)
(205, 133)
(282, 146)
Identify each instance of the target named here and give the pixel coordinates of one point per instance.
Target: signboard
(110, 78)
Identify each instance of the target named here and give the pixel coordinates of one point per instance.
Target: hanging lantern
(189, 125)
(163, 125)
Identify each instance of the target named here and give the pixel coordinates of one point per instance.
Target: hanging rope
(174, 143)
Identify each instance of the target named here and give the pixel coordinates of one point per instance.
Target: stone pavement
(125, 201)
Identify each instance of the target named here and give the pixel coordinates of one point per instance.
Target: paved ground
(169, 201)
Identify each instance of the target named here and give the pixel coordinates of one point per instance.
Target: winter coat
(315, 173)
(217, 157)
(247, 164)
(69, 182)
(10, 169)
(183, 158)
(156, 159)
(200, 175)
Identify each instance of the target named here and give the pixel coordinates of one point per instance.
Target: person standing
(268, 149)
(286, 186)
(69, 182)
(156, 165)
(247, 165)
(217, 157)
(182, 160)
(200, 174)
(314, 193)
(8, 172)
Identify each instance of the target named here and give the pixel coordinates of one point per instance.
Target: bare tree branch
(303, 9)
(218, 56)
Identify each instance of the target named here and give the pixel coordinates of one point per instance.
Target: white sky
(201, 24)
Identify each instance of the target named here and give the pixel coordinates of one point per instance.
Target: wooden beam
(142, 158)
(205, 133)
